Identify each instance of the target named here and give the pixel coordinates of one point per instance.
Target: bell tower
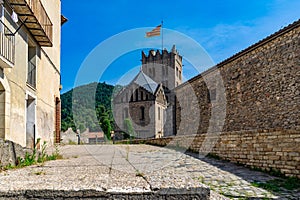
(165, 68)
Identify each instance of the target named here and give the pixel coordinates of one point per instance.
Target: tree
(106, 127)
(129, 128)
(80, 106)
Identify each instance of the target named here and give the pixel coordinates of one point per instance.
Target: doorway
(30, 122)
(2, 112)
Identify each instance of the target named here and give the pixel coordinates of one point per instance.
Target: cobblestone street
(133, 170)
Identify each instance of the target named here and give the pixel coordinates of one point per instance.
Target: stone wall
(264, 149)
(261, 86)
(10, 152)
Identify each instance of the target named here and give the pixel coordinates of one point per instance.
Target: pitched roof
(145, 82)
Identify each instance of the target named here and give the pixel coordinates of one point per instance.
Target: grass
(214, 156)
(127, 153)
(139, 174)
(277, 185)
(70, 142)
(33, 158)
(38, 173)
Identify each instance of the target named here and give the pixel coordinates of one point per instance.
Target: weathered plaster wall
(17, 90)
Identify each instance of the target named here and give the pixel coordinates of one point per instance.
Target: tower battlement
(163, 67)
(158, 55)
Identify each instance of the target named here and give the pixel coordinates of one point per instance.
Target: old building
(149, 101)
(165, 68)
(30, 35)
(143, 102)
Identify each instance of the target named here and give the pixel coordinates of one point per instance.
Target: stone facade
(165, 68)
(143, 102)
(261, 87)
(30, 71)
(10, 152)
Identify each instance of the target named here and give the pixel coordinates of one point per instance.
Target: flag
(154, 32)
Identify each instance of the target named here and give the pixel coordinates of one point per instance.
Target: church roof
(146, 82)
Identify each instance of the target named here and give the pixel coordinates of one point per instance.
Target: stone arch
(4, 107)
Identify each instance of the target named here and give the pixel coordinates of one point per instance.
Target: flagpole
(162, 43)
(162, 36)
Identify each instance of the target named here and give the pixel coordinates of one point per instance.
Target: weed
(201, 179)
(276, 185)
(127, 153)
(9, 166)
(31, 158)
(72, 142)
(42, 157)
(39, 173)
(139, 174)
(212, 155)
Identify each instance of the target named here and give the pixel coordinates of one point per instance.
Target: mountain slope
(80, 104)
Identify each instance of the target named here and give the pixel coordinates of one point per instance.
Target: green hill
(79, 105)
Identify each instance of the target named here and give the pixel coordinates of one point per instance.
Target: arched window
(136, 95)
(142, 95)
(158, 113)
(142, 112)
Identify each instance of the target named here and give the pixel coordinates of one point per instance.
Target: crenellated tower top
(163, 66)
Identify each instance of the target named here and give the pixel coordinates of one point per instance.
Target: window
(142, 95)
(212, 95)
(136, 95)
(1, 17)
(142, 108)
(131, 95)
(158, 113)
(31, 73)
(177, 71)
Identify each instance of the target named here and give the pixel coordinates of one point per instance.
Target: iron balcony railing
(7, 43)
(31, 76)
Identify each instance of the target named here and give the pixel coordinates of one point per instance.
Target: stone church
(148, 101)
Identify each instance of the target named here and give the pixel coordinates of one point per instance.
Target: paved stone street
(141, 171)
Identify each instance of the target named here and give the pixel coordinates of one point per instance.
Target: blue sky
(221, 27)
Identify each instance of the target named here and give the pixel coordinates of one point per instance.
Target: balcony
(36, 19)
(7, 46)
